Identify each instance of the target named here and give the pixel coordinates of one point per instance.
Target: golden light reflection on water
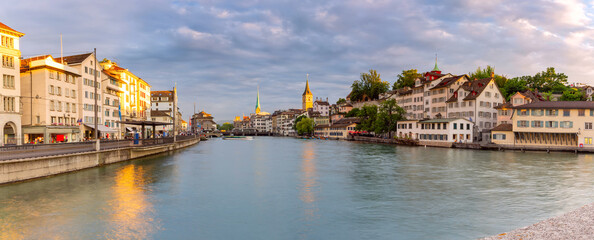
(309, 176)
(132, 214)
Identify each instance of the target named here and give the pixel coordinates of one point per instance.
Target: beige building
(550, 124)
(10, 112)
(53, 114)
(504, 111)
(442, 91)
(91, 77)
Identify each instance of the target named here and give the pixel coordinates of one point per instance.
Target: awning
(129, 129)
(102, 128)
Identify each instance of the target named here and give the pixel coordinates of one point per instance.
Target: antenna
(62, 51)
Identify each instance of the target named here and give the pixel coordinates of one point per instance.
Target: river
(285, 188)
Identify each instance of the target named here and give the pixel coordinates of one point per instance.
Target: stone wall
(24, 169)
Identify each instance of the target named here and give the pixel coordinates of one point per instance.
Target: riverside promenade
(577, 224)
(18, 163)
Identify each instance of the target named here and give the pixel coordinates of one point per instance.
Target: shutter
(570, 124)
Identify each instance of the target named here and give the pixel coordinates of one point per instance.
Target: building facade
(11, 111)
(53, 114)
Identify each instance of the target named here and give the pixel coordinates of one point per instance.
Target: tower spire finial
(258, 100)
(436, 69)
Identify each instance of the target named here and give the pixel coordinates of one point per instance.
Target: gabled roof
(446, 82)
(8, 29)
(74, 59)
(503, 127)
(156, 113)
(557, 105)
(474, 88)
(534, 96)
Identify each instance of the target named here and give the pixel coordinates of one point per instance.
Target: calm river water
(284, 188)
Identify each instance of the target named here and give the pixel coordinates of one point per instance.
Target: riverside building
(53, 114)
(10, 93)
(437, 132)
(547, 124)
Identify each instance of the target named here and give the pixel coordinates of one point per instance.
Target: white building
(53, 114)
(262, 122)
(321, 106)
(10, 113)
(91, 76)
(476, 101)
(437, 132)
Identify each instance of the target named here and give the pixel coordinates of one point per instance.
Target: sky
(218, 52)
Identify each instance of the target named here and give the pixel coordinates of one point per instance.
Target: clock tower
(307, 97)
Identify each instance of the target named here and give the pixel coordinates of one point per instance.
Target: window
(537, 124)
(7, 42)
(7, 61)
(59, 91)
(537, 112)
(523, 112)
(9, 104)
(73, 107)
(581, 112)
(455, 126)
(566, 124)
(488, 94)
(566, 113)
(73, 94)
(8, 81)
(468, 126)
(52, 105)
(588, 140)
(551, 124)
(552, 112)
(588, 125)
(522, 123)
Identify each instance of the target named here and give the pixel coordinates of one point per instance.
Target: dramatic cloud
(219, 51)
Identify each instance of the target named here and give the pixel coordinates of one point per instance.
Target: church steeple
(436, 69)
(258, 101)
(307, 97)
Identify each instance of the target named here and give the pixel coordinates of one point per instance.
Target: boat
(238, 138)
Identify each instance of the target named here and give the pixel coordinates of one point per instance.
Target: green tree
(226, 126)
(340, 101)
(513, 86)
(406, 79)
(305, 126)
(297, 120)
(546, 80)
(389, 113)
(353, 113)
(481, 73)
(573, 94)
(370, 85)
(368, 116)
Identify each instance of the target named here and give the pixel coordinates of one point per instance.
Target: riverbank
(37, 167)
(577, 224)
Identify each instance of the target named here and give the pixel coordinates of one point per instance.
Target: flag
(120, 111)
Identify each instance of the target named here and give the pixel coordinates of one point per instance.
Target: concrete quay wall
(25, 169)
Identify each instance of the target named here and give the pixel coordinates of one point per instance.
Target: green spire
(436, 69)
(258, 101)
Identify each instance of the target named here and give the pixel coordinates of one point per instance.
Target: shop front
(50, 134)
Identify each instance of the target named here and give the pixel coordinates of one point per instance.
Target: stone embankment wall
(24, 169)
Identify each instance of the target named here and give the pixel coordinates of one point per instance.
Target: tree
(297, 120)
(389, 113)
(370, 85)
(305, 126)
(368, 115)
(573, 95)
(546, 80)
(406, 79)
(513, 86)
(340, 101)
(226, 126)
(353, 113)
(480, 73)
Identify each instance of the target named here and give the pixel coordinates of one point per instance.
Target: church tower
(258, 101)
(307, 97)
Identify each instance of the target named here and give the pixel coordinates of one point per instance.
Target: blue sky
(219, 51)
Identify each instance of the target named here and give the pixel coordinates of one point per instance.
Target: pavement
(577, 224)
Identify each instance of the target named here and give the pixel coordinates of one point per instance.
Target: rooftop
(557, 105)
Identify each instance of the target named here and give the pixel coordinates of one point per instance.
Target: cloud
(219, 51)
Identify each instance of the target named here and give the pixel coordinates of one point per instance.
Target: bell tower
(307, 97)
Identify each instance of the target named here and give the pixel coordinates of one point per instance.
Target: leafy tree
(406, 79)
(370, 85)
(573, 95)
(513, 86)
(368, 116)
(226, 126)
(389, 113)
(305, 126)
(340, 101)
(353, 113)
(480, 73)
(546, 80)
(297, 120)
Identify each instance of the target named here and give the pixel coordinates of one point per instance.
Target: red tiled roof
(503, 127)
(557, 105)
(446, 82)
(74, 58)
(7, 28)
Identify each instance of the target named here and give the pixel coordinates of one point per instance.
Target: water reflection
(132, 214)
(308, 181)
